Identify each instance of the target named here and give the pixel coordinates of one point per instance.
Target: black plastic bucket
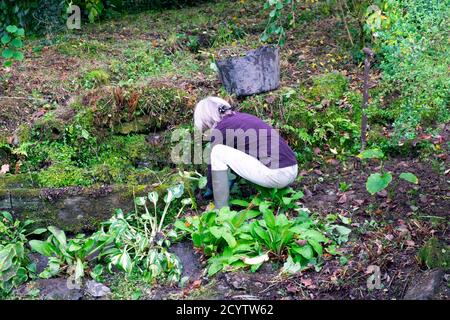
(255, 72)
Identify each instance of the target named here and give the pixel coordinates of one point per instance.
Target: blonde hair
(207, 113)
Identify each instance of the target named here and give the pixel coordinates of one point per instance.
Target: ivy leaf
(408, 176)
(377, 182)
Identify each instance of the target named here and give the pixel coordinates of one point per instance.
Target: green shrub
(11, 44)
(254, 235)
(411, 39)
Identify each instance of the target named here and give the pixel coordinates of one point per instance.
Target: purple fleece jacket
(255, 137)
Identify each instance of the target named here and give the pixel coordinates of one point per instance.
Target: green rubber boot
(221, 189)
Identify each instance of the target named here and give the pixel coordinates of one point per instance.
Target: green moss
(127, 194)
(330, 86)
(77, 48)
(95, 78)
(15, 181)
(24, 133)
(435, 254)
(138, 125)
(61, 175)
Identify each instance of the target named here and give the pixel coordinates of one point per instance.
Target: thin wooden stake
(369, 55)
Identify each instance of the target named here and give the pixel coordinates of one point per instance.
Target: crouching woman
(245, 144)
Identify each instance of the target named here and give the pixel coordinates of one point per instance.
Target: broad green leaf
(18, 55)
(214, 268)
(239, 202)
(169, 196)
(177, 191)
(125, 262)
(11, 29)
(371, 154)
(39, 231)
(269, 218)
(316, 246)
(17, 43)
(260, 232)
(5, 39)
(217, 232)
(313, 235)
(250, 214)
(7, 53)
(20, 32)
(79, 269)
(42, 247)
(59, 235)
(265, 207)
(202, 181)
(291, 267)
(139, 201)
(238, 219)
(20, 277)
(305, 251)
(344, 231)
(229, 238)
(182, 226)
(7, 215)
(407, 176)
(377, 182)
(153, 197)
(73, 247)
(6, 255)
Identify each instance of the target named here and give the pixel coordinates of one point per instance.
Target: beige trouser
(250, 168)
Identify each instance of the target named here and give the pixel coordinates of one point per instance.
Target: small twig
(404, 288)
(345, 24)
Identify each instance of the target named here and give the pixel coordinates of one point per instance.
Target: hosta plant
(15, 265)
(140, 240)
(248, 238)
(70, 256)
